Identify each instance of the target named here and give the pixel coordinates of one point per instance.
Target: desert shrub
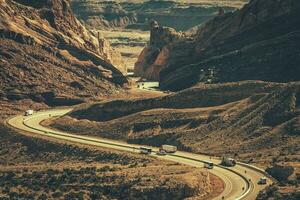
(104, 169)
(36, 187)
(6, 190)
(43, 197)
(281, 173)
(273, 193)
(133, 165)
(74, 195)
(267, 193)
(298, 177)
(13, 195)
(57, 194)
(95, 195)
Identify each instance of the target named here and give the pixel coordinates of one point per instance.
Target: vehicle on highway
(262, 181)
(28, 112)
(228, 162)
(168, 148)
(145, 150)
(232, 181)
(161, 152)
(208, 165)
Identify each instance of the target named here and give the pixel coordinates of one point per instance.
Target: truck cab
(208, 165)
(262, 181)
(161, 152)
(145, 150)
(28, 112)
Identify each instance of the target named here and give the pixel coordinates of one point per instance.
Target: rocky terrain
(182, 15)
(236, 77)
(255, 122)
(33, 168)
(48, 56)
(152, 58)
(252, 43)
(125, 23)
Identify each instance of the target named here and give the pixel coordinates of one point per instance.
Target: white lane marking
(59, 112)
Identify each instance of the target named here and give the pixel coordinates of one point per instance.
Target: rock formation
(253, 43)
(151, 60)
(45, 48)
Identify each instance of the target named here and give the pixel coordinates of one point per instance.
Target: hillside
(252, 43)
(33, 168)
(254, 122)
(235, 118)
(47, 55)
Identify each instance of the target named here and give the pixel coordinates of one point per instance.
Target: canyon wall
(136, 15)
(252, 43)
(46, 51)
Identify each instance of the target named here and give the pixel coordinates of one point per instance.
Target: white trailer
(28, 112)
(168, 148)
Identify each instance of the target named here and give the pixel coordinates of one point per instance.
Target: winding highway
(240, 181)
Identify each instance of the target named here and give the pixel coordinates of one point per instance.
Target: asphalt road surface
(240, 180)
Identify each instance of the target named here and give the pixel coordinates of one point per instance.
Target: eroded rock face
(53, 23)
(45, 48)
(58, 13)
(152, 58)
(259, 42)
(136, 14)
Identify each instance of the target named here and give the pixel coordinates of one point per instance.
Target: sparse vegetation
(288, 185)
(33, 168)
(86, 183)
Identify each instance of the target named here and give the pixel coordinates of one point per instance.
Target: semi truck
(168, 148)
(262, 181)
(228, 162)
(28, 112)
(145, 150)
(208, 165)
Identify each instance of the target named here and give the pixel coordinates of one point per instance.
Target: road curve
(240, 181)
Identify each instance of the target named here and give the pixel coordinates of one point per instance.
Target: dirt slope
(261, 121)
(254, 122)
(46, 53)
(32, 168)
